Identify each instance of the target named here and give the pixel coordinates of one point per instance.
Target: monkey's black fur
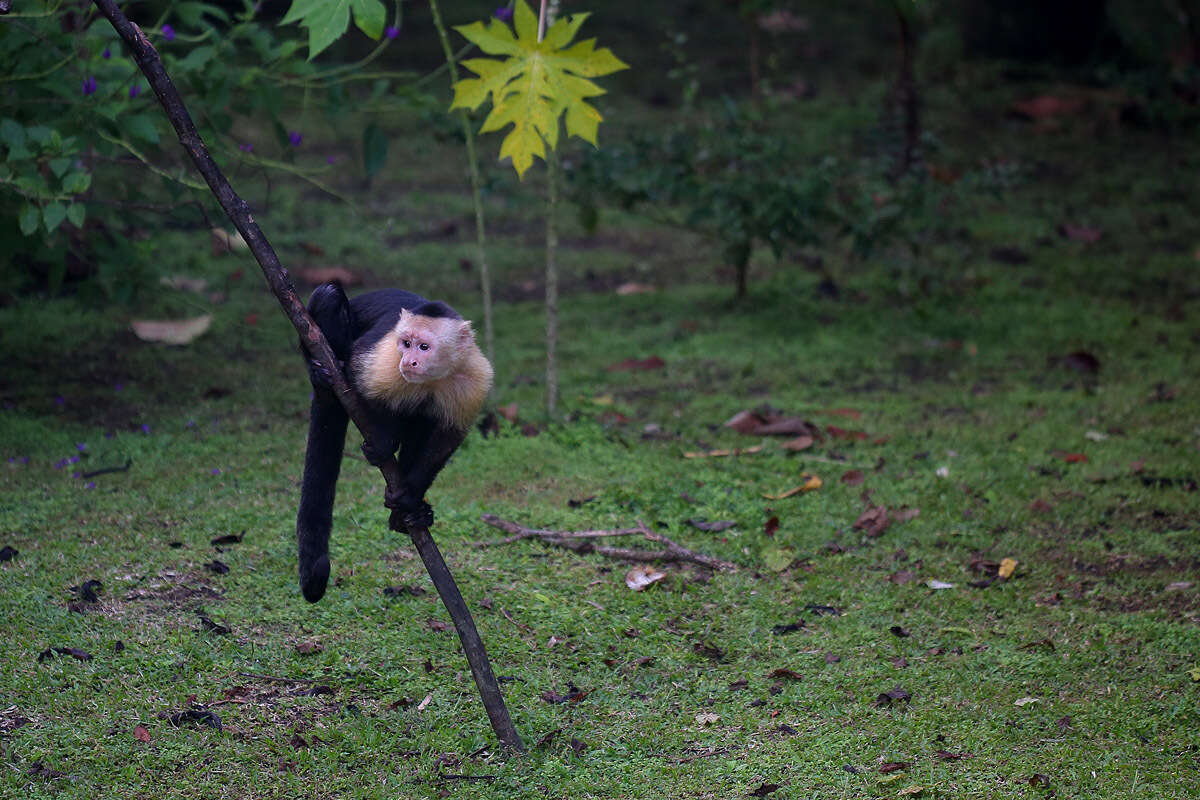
(353, 329)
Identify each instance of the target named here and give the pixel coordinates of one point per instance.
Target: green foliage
(536, 85)
(732, 178)
(327, 20)
(83, 142)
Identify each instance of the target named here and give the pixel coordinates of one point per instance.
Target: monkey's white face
(429, 347)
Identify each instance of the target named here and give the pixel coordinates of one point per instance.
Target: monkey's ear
(404, 314)
(464, 331)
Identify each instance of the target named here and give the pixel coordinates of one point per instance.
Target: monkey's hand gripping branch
(415, 525)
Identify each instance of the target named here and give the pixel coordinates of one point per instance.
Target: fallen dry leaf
(853, 477)
(933, 583)
(841, 433)
(180, 331)
(811, 483)
(626, 289)
(424, 704)
(798, 444)
(736, 451)
(745, 422)
(309, 647)
(1024, 701)
(640, 577)
(140, 733)
(873, 522)
(707, 718)
(1007, 567)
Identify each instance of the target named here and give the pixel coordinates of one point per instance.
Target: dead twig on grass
(581, 542)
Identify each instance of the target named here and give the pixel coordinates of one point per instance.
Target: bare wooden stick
(235, 207)
(580, 542)
(520, 532)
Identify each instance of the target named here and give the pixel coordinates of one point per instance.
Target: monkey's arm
(425, 447)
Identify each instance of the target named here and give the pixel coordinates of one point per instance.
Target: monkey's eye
(424, 346)
(408, 343)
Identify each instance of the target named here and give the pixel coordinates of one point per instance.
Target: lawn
(1023, 386)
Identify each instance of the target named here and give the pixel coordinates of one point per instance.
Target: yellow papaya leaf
(536, 84)
(1007, 567)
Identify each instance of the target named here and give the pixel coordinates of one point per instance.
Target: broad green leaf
(197, 58)
(538, 83)
(53, 215)
(39, 133)
(194, 13)
(77, 182)
(29, 218)
(76, 212)
(12, 135)
(375, 149)
(142, 126)
(326, 20)
(777, 559)
(59, 165)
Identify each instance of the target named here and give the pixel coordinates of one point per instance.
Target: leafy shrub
(732, 179)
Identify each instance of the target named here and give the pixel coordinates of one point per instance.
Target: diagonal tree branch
(147, 59)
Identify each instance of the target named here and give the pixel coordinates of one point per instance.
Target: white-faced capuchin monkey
(423, 380)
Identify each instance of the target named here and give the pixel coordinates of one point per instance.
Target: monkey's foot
(420, 518)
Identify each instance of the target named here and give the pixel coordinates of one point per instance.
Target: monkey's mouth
(412, 376)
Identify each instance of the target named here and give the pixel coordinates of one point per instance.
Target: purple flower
(145, 428)
(106, 54)
(216, 471)
(504, 14)
(90, 485)
(12, 460)
(168, 33)
(245, 148)
(89, 85)
(118, 386)
(330, 159)
(108, 434)
(81, 446)
(75, 475)
(134, 91)
(24, 459)
(294, 137)
(60, 400)
(392, 32)
(60, 464)
(73, 460)
(191, 423)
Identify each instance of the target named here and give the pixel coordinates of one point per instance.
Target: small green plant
(730, 179)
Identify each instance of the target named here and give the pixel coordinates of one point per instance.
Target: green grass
(953, 360)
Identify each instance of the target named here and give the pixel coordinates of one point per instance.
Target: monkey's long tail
(322, 463)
